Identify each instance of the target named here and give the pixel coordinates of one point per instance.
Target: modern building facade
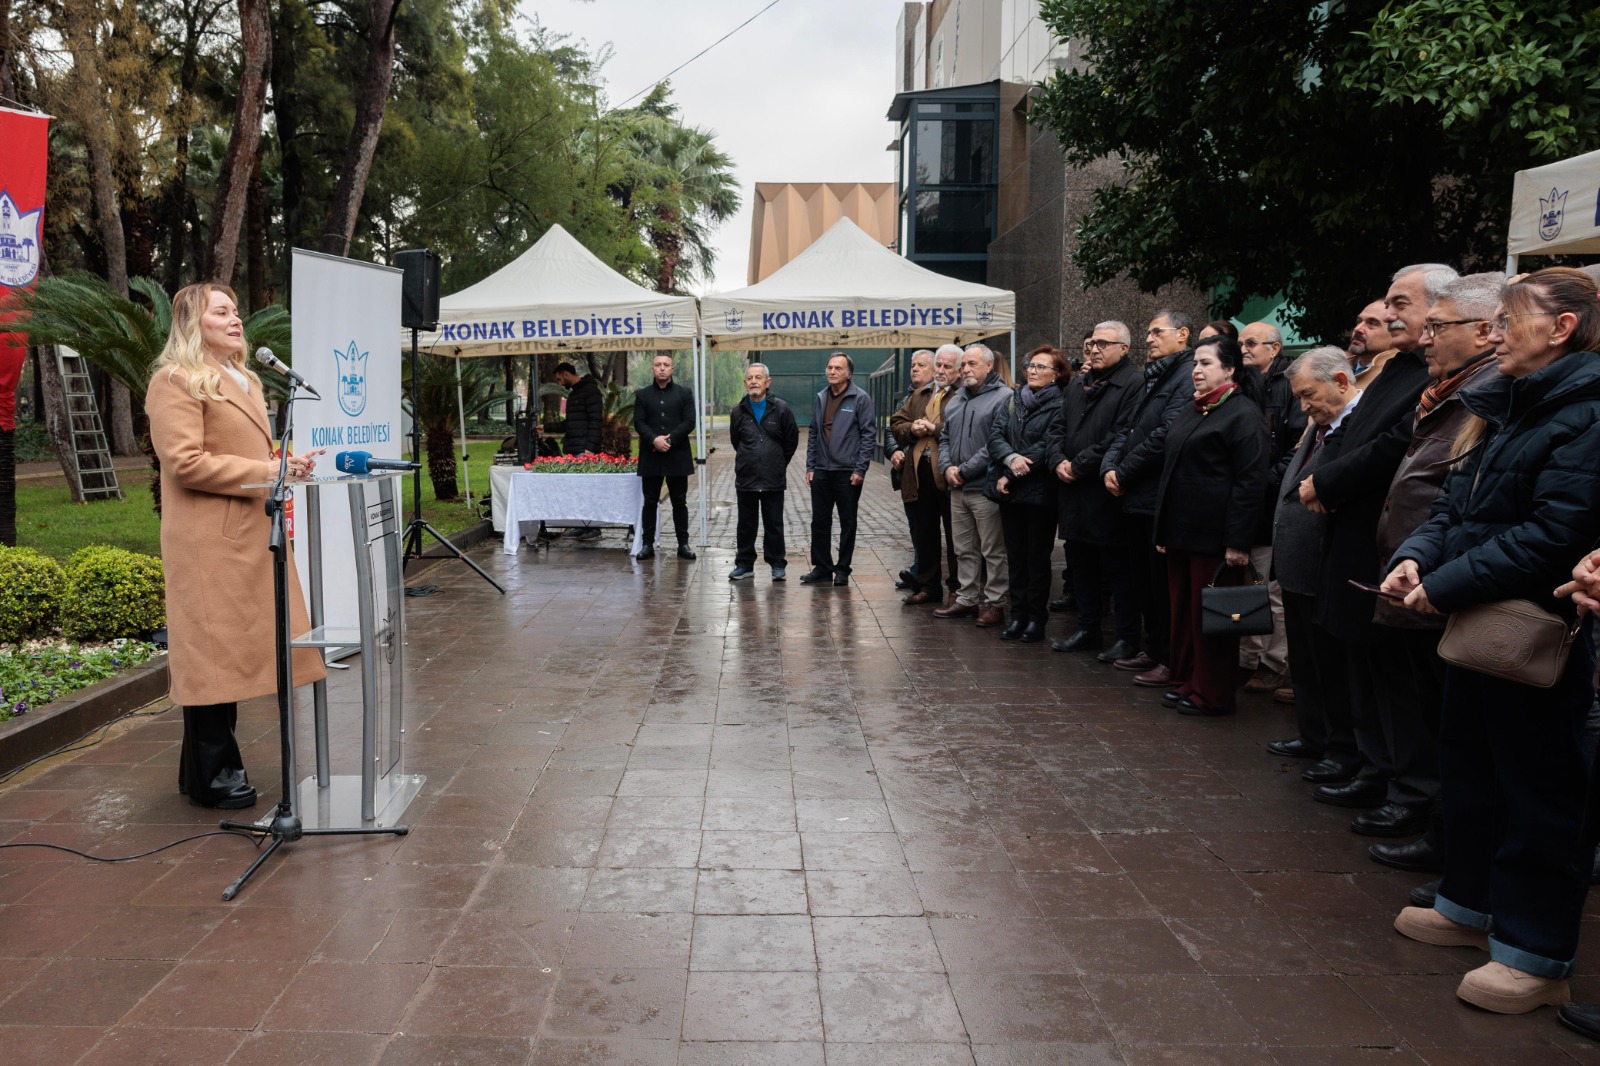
(982, 194)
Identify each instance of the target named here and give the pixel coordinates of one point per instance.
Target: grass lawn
(48, 520)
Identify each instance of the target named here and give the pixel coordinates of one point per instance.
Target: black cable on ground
(78, 745)
(140, 855)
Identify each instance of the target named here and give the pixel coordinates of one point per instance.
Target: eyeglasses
(1041, 366)
(1100, 346)
(1431, 328)
(1156, 331)
(1502, 321)
(1253, 344)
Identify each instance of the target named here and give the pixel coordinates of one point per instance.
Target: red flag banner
(25, 136)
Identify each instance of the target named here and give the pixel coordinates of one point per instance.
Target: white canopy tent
(849, 290)
(1554, 210)
(558, 297)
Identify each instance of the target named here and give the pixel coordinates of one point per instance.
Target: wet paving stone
(674, 822)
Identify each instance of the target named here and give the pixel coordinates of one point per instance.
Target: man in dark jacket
(1132, 469)
(1094, 408)
(586, 411)
(764, 435)
(1268, 656)
(1350, 485)
(663, 416)
(838, 452)
(1409, 681)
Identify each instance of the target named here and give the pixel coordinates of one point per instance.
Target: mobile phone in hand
(1385, 593)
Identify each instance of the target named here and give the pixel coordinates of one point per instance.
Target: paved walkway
(670, 820)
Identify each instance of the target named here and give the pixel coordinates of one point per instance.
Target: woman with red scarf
(1213, 482)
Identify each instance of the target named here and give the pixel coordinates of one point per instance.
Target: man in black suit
(663, 416)
(1350, 485)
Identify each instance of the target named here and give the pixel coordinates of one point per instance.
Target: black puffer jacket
(1211, 491)
(761, 451)
(1136, 453)
(1093, 409)
(1016, 433)
(1520, 511)
(1286, 424)
(586, 414)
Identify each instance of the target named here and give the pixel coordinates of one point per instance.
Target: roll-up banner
(25, 136)
(346, 314)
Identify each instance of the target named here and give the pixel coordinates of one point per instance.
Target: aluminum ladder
(97, 477)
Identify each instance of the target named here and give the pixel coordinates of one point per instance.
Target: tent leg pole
(461, 410)
(1511, 266)
(1013, 354)
(700, 424)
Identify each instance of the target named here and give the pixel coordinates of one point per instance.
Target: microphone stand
(411, 538)
(285, 826)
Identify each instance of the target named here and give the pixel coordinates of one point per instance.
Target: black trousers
(1310, 711)
(929, 512)
(209, 748)
(1149, 571)
(1365, 717)
(678, 495)
(1513, 780)
(831, 489)
(1095, 569)
(1332, 657)
(767, 508)
(1409, 686)
(1030, 535)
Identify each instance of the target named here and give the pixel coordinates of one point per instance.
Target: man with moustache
(1408, 673)
(764, 436)
(838, 452)
(1350, 486)
(1267, 657)
(1093, 409)
(900, 437)
(974, 518)
(922, 484)
(1369, 344)
(1131, 470)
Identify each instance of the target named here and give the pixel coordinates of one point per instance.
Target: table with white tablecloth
(565, 499)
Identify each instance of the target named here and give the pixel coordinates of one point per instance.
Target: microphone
(265, 357)
(363, 462)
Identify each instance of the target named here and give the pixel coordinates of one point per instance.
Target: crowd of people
(1441, 468)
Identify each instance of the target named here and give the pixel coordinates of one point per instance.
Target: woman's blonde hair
(185, 349)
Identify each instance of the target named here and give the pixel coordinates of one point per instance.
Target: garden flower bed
(34, 673)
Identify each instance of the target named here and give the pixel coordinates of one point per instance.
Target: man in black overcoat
(1350, 485)
(663, 416)
(764, 436)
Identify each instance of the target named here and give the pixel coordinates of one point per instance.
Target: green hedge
(112, 593)
(31, 587)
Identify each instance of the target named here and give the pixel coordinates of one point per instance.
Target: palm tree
(123, 337)
(437, 408)
(678, 186)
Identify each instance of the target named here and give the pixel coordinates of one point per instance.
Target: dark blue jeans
(831, 489)
(1514, 782)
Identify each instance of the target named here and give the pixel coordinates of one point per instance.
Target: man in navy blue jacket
(838, 451)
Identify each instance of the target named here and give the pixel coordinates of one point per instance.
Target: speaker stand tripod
(412, 538)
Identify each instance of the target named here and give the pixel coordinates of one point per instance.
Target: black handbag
(1235, 610)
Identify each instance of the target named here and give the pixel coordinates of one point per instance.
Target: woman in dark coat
(1213, 482)
(1025, 489)
(1516, 510)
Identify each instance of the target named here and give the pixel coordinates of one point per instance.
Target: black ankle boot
(1013, 629)
(213, 771)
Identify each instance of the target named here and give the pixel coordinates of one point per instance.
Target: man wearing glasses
(1409, 675)
(1094, 407)
(1132, 470)
(1262, 344)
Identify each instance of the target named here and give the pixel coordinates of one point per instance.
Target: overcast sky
(797, 95)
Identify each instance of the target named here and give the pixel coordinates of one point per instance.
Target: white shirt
(244, 383)
(1338, 419)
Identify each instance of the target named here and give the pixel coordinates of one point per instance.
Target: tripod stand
(285, 826)
(412, 538)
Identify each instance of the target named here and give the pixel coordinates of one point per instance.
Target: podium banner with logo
(345, 316)
(22, 170)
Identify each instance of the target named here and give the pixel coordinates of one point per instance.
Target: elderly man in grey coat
(969, 415)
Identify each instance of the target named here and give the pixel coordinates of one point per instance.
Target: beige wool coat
(214, 545)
